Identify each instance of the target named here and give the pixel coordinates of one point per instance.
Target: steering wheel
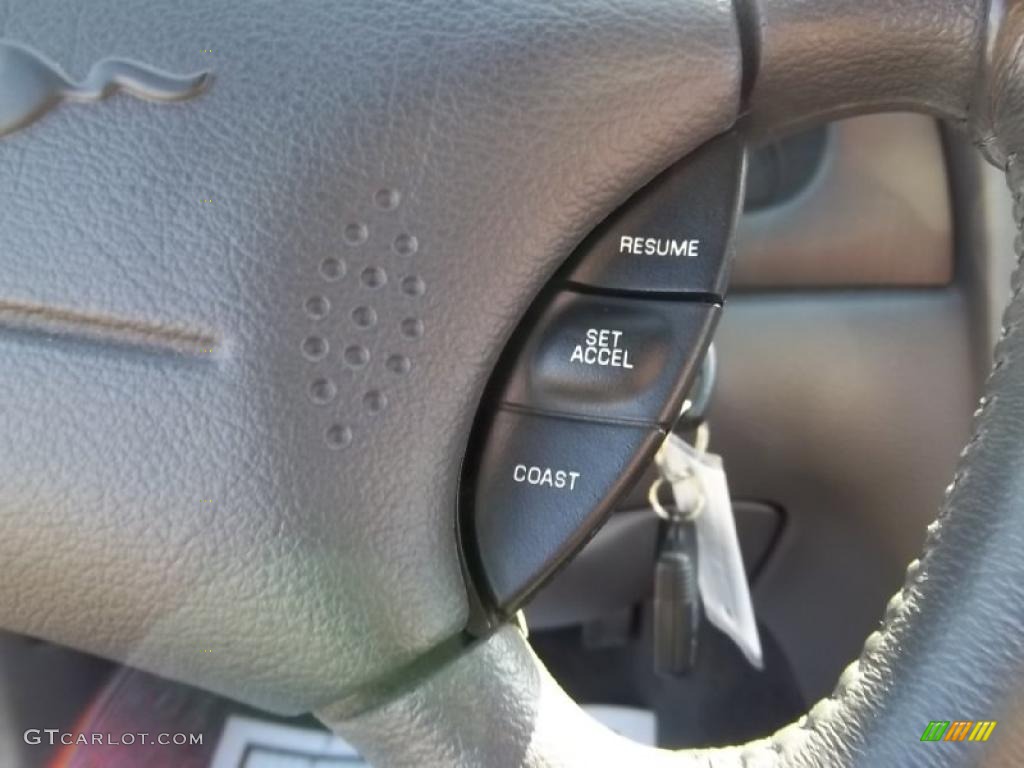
(244, 339)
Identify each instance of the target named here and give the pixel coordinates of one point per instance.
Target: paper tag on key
(721, 576)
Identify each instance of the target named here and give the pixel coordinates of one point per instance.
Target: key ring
(700, 445)
(654, 501)
(679, 516)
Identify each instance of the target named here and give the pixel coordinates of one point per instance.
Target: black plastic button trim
(544, 484)
(611, 358)
(673, 235)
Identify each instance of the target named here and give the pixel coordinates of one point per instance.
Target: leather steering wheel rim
(284, 296)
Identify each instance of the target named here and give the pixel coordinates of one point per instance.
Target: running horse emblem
(31, 85)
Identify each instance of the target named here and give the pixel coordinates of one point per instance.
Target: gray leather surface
(172, 493)
(828, 58)
(950, 643)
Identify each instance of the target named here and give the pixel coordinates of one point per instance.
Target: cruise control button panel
(543, 485)
(611, 357)
(593, 378)
(673, 235)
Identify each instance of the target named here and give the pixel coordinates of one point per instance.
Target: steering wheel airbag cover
(209, 471)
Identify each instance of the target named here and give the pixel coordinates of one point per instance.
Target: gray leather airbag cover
(168, 494)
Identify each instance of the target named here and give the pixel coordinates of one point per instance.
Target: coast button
(674, 234)
(611, 358)
(543, 486)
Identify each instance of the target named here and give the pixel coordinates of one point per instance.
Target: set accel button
(608, 357)
(601, 347)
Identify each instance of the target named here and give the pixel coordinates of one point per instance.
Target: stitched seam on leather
(811, 724)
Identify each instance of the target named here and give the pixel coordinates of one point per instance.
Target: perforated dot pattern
(356, 346)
